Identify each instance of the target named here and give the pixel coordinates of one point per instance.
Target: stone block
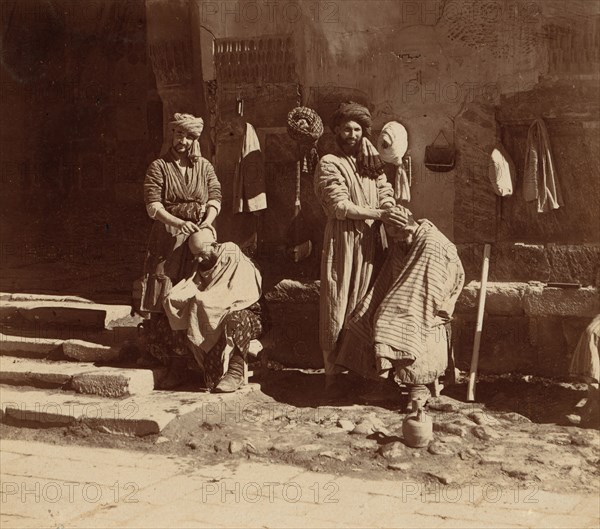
(549, 346)
(505, 345)
(543, 301)
(578, 263)
(508, 262)
(294, 337)
(502, 298)
(288, 290)
(113, 382)
(83, 351)
(574, 263)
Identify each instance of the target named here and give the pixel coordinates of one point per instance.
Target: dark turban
(304, 125)
(351, 111)
(368, 161)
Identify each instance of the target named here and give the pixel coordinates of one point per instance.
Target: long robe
(349, 246)
(168, 259)
(400, 324)
(586, 358)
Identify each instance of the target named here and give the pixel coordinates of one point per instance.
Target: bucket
(440, 158)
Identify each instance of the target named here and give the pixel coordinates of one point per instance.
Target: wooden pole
(479, 327)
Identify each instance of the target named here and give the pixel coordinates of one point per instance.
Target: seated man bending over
(218, 308)
(399, 326)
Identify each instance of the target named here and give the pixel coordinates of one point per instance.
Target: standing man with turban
(182, 195)
(355, 194)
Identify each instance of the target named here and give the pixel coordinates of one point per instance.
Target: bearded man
(355, 194)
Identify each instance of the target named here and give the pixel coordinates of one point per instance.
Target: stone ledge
(502, 299)
(517, 299)
(544, 301)
(10, 296)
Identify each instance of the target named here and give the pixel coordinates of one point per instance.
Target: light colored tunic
(349, 245)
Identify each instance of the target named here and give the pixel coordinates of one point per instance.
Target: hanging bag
(440, 158)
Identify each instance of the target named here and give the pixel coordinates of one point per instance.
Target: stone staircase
(62, 362)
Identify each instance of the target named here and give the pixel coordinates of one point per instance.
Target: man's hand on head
(395, 216)
(188, 227)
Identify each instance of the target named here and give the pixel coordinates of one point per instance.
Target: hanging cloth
(501, 171)
(539, 179)
(249, 191)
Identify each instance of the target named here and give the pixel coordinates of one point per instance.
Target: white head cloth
(392, 145)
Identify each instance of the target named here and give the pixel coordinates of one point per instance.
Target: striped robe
(401, 321)
(168, 259)
(349, 245)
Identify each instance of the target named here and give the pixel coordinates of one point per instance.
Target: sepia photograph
(299, 264)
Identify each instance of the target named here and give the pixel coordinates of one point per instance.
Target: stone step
(65, 313)
(83, 351)
(40, 348)
(57, 349)
(138, 415)
(29, 347)
(77, 376)
(114, 337)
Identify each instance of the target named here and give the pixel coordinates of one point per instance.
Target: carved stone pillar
(177, 69)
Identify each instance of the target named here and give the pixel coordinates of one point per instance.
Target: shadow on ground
(540, 400)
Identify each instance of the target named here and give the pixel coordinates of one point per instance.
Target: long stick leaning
(479, 327)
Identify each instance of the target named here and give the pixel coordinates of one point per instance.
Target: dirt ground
(516, 435)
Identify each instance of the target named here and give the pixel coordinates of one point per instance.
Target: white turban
(191, 125)
(392, 145)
